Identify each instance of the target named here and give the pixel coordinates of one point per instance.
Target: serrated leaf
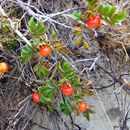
(69, 74)
(36, 29)
(54, 83)
(63, 80)
(110, 21)
(41, 71)
(29, 49)
(77, 15)
(106, 10)
(112, 12)
(101, 8)
(49, 84)
(78, 40)
(120, 17)
(40, 29)
(32, 23)
(86, 45)
(66, 70)
(59, 67)
(44, 99)
(48, 91)
(76, 82)
(27, 52)
(78, 97)
(66, 66)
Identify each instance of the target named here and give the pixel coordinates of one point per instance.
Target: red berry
(35, 97)
(45, 50)
(67, 90)
(94, 22)
(83, 106)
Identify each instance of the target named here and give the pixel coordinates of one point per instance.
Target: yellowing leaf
(78, 40)
(77, 32)
(54, 34)
(90, 92)
(86, 45)
(60, 48)
(86, 16)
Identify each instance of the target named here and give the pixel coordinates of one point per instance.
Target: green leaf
(48, 91)
(87, 115)
(40, 29)
(101, 8)
(32, 24)
(110, 21)
(64, 108)
(65, 69)
(36, 29)
(41, 71)
(120, 17)
(36, 41)
(78, 97)
(91, 1)
(27, 52)
(77, 15)
(112, 12)
(67, 102)
(59, 67)
(44, 99)
(106, 10)
(49, 84)
(47, 99)
(76, 82)
(69, 74)
(54, 83)
(66, 66)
